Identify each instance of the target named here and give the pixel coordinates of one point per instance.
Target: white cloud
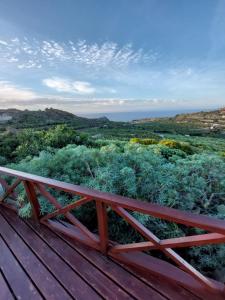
(4, 43)
(49, 52)
(9, 91)
(69, 86)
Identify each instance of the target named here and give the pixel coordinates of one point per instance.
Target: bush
(143, 141)
(184, 146)
(31, 142)
(159, 173)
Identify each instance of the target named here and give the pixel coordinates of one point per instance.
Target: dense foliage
(163, 173)
(28, 142)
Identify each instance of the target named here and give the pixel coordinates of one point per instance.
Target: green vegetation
(175, 170)
(29, 142)
(144, 141)
(17, 119)
(206, 122)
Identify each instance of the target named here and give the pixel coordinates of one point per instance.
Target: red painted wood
(31, 194)
(73, 232)
(6, 187)
(20, 283)
(39, 274)
(67, 277)
(95, 278)
(33, 246)
(119, 204)
(173, 289)
(169, 252)
(195, 240)
(116, 273)
(137, 225)
(170, 214)
(5, 293)
(65, 209)
(185, 279)
(102, 226)
(68, 215)
(138, 287)
(10, 189)
(142, 246)
(183, 264)
(147, 264)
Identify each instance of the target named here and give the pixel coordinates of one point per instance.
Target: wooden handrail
(36, 185)
(155, 210)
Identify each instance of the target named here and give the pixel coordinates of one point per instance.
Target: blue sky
(108, 56)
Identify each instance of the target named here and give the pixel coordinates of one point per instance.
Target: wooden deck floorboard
(37, 263)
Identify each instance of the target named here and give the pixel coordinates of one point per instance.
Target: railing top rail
(155, 210)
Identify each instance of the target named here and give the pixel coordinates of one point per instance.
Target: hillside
(14, 118)
(205, 120)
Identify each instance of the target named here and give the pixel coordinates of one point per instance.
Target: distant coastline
(135, 115)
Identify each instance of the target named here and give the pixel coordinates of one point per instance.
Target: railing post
(102, 226)
(32, 197)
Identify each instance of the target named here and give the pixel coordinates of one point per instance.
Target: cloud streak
(69, 86)
(11, 92)
(12, 95)
(30, 54)
(86, 76)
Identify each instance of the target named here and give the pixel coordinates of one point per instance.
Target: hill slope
(21, 119)
(207, 120)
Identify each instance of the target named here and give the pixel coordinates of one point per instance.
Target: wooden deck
(37, 263)
(50, 258)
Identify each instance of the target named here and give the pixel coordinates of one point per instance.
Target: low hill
(210, 119)
(22, 119)
(206, 120)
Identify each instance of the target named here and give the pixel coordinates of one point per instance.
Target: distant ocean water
(129, 116)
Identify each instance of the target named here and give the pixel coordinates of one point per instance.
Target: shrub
(157, 173)
(143, 141)
(184, 146)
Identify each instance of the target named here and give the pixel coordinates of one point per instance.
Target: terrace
(47, 257)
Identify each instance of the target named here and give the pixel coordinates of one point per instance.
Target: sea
(135, 115)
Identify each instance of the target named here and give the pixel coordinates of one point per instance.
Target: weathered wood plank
(206, 282)
(46, 282)
(68, 215)
(180, 242)
(20, 283)
(147, 263)
(73, 232)
(67, 277)
(124, 280)
(116, 273)
(131, 281)
(31, 194)
(119, 204)
(67, 208)
(102, 226)
(95, 278)
(5, 293)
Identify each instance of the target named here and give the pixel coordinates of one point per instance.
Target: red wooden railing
(131, 254)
